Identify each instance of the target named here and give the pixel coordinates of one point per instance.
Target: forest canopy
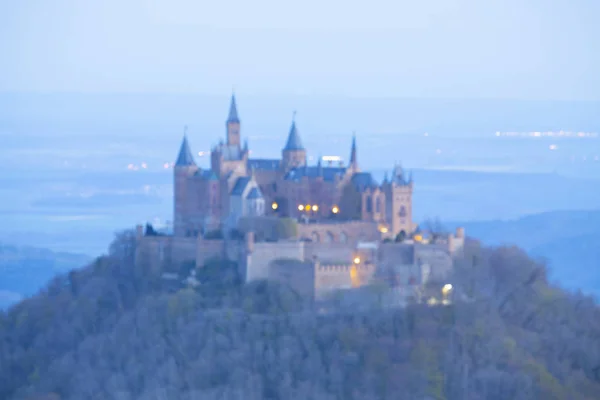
(111, 331)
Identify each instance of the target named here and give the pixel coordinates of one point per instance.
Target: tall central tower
(233, 124)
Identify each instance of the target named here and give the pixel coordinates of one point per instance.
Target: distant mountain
(567, 240)
(24, 270)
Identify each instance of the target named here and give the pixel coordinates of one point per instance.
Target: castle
(238, 186)
(345, 229)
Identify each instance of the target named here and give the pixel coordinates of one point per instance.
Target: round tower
(293, 154)
(185, 167)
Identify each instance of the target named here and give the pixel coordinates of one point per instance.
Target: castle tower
(185, 167)
(293, 154)
(233, 124)
(353, 164)
(398, 194)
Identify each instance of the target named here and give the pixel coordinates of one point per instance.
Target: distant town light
(383, 229)
(315, 208)
(335, 210)
(418, 238)
(166, 165)
(274, 206)
(300, 207)
(144, 165)
(307, 207)
(331, 158)
(356, 260)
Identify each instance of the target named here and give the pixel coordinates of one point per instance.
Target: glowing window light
(447, 288)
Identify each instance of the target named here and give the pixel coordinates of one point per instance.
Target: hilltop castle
(238, 186)
(345, 229)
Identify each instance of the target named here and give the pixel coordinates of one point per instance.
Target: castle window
(329, 237)
(378, 205)
(161, 251)
(369, 200)
(402, 212)
(343, 237)
(315, 237)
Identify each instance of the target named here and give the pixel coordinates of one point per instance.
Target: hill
(566, 240)
(24, 270)
(112, 331)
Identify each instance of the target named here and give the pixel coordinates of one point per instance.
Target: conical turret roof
(185, 157)
(293, 141)
(233, 113)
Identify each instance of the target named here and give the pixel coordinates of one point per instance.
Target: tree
(286, 228)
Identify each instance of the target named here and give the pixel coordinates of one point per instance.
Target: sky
(510, 49)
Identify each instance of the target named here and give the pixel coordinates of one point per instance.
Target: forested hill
(111, 331)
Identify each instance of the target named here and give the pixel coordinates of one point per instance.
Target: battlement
(344, 268)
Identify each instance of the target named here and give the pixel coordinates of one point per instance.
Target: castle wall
(165, 253)
(209, 249)
(299, 275)
(345, 276)
(349, 232)
(436, 257)
(339, 253)
(264, 253)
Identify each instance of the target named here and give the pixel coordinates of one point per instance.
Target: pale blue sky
(528, 49)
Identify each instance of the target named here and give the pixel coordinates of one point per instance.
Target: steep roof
(185, 157)
(233, 113)
(240, 186)
(353, 159)
(363, 181)
(264, 164)
(293, 140)
(328, 173)
(254, 194)
(207, 174)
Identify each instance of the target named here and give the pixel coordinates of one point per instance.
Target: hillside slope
(566, 240)
(110, 331)
(24, 270)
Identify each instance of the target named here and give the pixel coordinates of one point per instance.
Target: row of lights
(307, 208)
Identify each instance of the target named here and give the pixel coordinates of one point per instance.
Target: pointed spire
(293, 141)
(385, 177)
(233, 113)
(320, 166)
(353, 160)
(185, 157)
(246, 145)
